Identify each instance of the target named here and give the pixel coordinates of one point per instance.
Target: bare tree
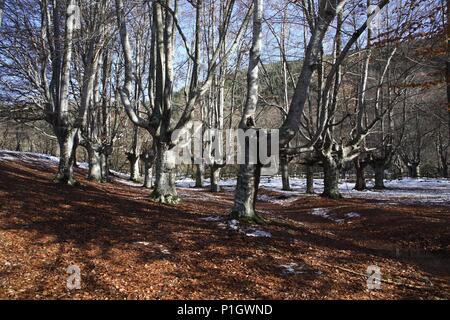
(160, 122)
(249, 173)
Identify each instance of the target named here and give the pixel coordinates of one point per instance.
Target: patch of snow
(128, 182)
(144, 243)
(121, 175)
(325, 213)
(35, 158)
(185, 183)
(258, 233)
(351, 215)
(190, 183)
(233, 224)
(165, 251)
(83, 165)
(212, 218)
(401, 191)
(7, 157)
(292, 268)
(27, 156)
(321, 212)
(283, 200)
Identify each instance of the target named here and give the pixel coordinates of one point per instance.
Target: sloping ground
(128, 247)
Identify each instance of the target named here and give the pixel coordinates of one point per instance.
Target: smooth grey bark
(215, 178)
(309, 179)
(327, 13)
(199, 172)
(133, 156)
(95, 165)
(413, 170)
(66, 159)
(360, 184)
(378, 168)
(249, 174)
(105, 166)
(164, 189)
(284, 167)
(442, 148)
(148, 177)
(246, 193)
(2, 6)
(135, 173)
(158, 120)
(331, 171)
(148, 170)
(65, 135)
(444, 169)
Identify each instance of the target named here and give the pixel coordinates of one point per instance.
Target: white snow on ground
(321, 212)
(292, 268)
(128, 182)
(34, 158)
(352, 215)
(258, 233)
(212, 218)
(404, 191)
(190, 183)
(285, 200)
(28, 157)
(124, 178)
(144, 243)
(234, 225)
(327, 214)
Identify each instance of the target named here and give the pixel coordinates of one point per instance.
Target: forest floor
(130, 248)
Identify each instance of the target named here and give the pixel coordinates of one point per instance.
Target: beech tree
(160, 122)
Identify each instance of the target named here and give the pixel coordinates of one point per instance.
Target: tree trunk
(105, 157)
(444, 170)
(413, 170)
(360, 178)
(331, 171)
(246, 193)
(284, 164)
(249, 174)
(379, 176)
(199, 170)
(165, 190)
(95, 165)
(2, 6)
(309, 180)
(65, 168)
(134, 166)
(215, 178)
(148, 173)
